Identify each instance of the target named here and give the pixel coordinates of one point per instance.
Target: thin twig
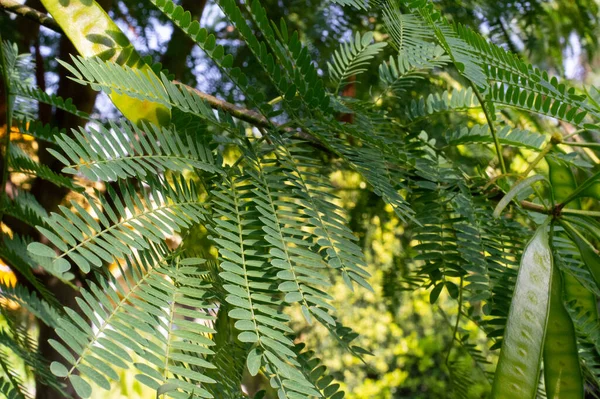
(237, 112)
(243, 114)
(248, 115)
(455, 330)
(490, 122)
(30, 13)
(530, 206)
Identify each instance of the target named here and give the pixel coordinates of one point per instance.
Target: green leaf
(82, 388)
(61, 265)
(58, 369)
(247, 336)
(166, 388)
(516, 190)
(352, 58)
(40, 249)
(435, 293)
(254, 361)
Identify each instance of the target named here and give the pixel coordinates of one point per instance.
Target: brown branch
(243, 114)
(238, 112)
(530, 206)
(31, 14)
(250, 116)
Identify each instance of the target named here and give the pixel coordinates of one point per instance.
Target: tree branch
(530, 206)
(243, 114)
(238, 112)
(248, 115)
(30, 13)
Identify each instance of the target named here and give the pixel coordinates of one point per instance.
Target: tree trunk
(51, 196)
(180, 46)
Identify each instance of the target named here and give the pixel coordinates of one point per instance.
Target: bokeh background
(408, 338)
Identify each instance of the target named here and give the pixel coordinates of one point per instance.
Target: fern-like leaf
(481, 134)
(14, 251)
(128, 151)
(337, 243)
(410, 65)
(162, 293)
(130, 224)
(37, 129)
(41, 309)
(111, 77)
(325, 383)
(248, 283)
(409, 34)
(358, 4)
(50, 99)
(352, 58)
(24, 207)
(447, 36)
(301, 269)
(20, 162)
(457, 101)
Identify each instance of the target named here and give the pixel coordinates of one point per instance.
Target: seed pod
(562, 370)
(518, 370)
(563, 186)
(588, 253)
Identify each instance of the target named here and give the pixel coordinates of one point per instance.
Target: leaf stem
(575, 133)
(568, 211)
(276, 100)
(530, 206)
(554, 141)
(455, 331)
(490, 122)
(586, 145)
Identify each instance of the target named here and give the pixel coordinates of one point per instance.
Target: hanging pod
(562, 370)
(95, 34)
(518, 370)
(588, 253)
(564, 189)
(589, 188)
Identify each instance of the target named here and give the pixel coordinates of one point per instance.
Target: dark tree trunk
(180, 46)
(50, 196)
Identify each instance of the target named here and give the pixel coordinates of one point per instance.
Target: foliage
(253, 190)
